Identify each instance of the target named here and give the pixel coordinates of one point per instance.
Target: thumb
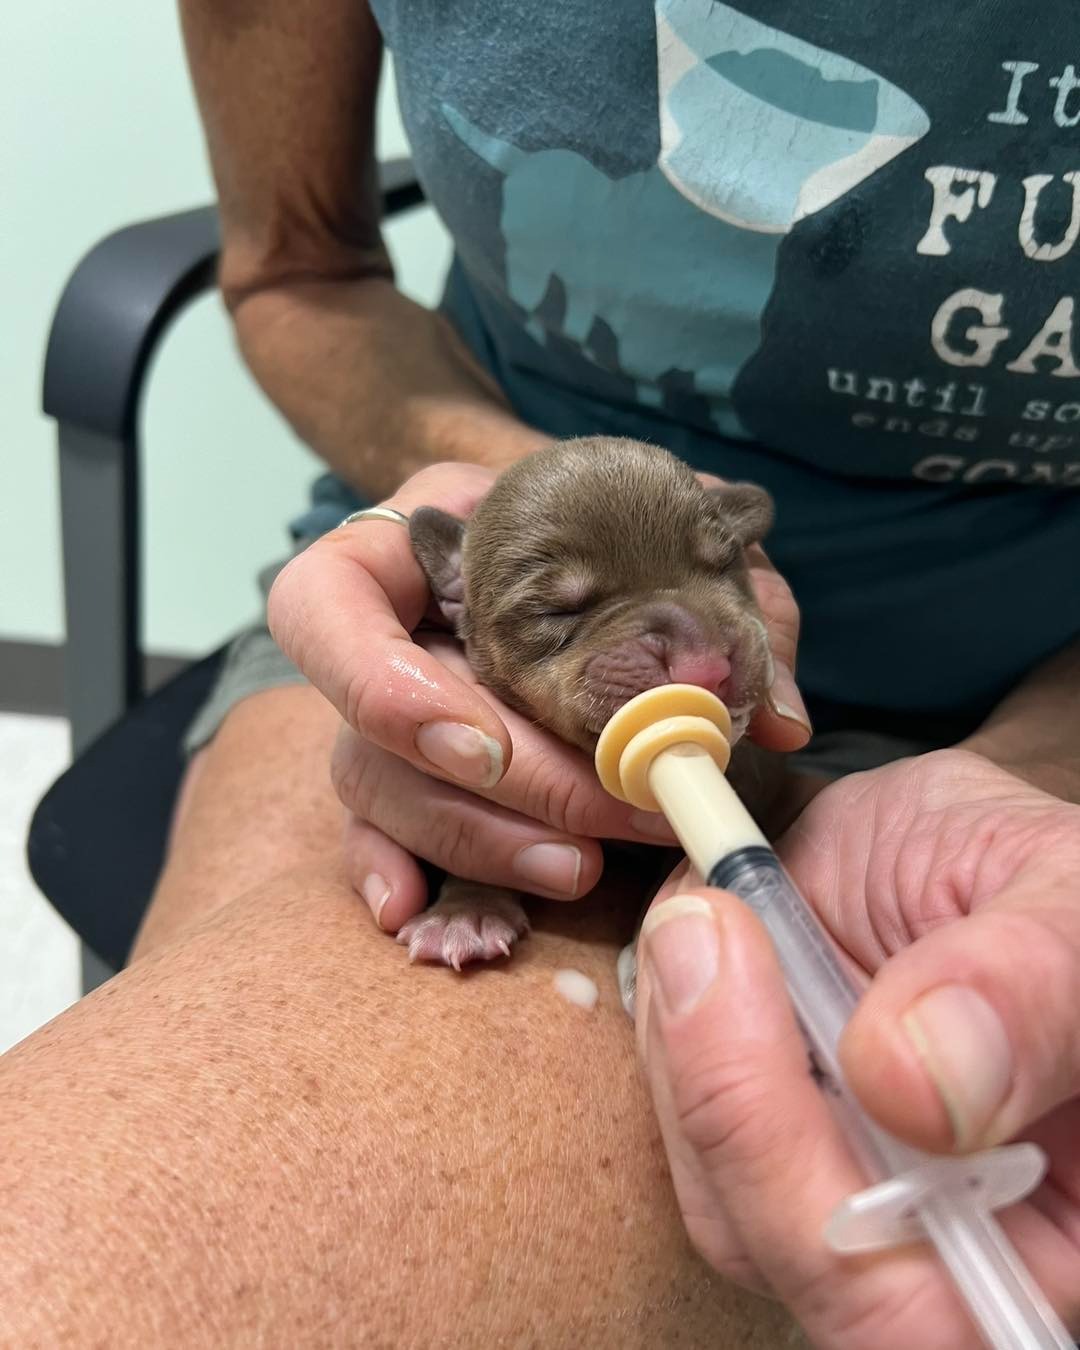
(970, 1034)
(729, 1073)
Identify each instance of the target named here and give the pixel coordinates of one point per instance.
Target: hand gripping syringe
(667, 750)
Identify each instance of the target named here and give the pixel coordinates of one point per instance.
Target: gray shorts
(255, 662)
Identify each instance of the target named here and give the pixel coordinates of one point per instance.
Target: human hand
(431, 765)
(953, 883)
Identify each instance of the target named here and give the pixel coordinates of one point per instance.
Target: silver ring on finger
(375, 513)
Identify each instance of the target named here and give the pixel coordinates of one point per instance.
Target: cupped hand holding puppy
(429, 764)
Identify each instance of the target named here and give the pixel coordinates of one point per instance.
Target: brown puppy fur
(593, 570)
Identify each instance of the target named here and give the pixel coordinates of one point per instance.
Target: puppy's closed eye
(568, 596)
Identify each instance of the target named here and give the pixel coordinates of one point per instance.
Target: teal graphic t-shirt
(831, 248)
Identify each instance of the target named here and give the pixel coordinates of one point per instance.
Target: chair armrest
(110, 319)
(122, 296)
(113, 309)
(399, 187)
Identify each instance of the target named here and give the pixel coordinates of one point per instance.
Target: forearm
(378, 386)
(1035, 731)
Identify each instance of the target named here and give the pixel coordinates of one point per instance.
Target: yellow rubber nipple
(670, 715)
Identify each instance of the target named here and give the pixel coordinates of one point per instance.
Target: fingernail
(785, 698)
(964, 1048)
(652, 825)
(461, 751)
(552, 867)
(376, 891)
(682, 947)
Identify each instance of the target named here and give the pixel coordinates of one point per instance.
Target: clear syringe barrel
(934, 1197)
(823, 995)
(729, 851)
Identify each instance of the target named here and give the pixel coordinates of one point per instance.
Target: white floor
(39, 957)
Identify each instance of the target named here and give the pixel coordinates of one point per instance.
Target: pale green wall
(100, 130)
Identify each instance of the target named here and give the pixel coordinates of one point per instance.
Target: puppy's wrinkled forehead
(596, 508)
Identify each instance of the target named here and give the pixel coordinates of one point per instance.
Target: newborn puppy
(592, 571)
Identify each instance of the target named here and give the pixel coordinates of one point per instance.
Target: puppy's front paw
(467, 924)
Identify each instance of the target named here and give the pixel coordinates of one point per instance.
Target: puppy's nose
(689, 651)
(711, 670)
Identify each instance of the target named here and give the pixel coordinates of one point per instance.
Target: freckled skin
(472, 1171)
(593, 570)
(267, 1134)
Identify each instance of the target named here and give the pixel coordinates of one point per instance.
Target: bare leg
(255, 802)
(273, 1131)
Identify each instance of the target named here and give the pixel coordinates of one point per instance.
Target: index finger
(781, 722)
(343, 611)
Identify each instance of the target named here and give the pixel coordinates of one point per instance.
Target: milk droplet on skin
(577, 988)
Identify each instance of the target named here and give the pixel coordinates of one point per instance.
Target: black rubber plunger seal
(725, 875)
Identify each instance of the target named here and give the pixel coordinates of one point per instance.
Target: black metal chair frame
(108, 325)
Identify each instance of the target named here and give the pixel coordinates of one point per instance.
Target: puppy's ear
(438, 540)
(748, 510)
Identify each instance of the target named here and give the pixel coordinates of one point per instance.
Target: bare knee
(188, 787)
(313, 1143)
(254, 803)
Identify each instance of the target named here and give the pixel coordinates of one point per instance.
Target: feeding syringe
(667, 750)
